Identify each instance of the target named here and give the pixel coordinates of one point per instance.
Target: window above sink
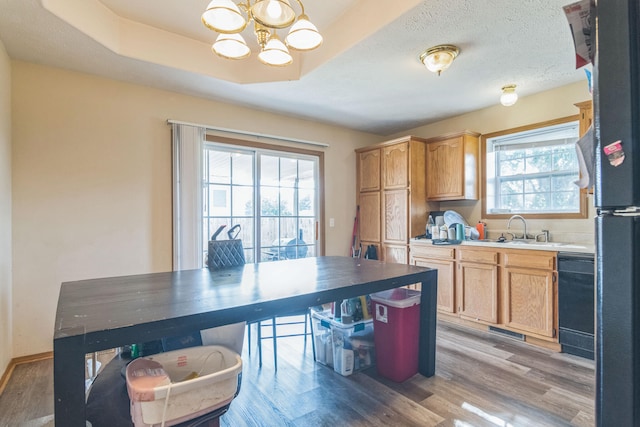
(531, 170)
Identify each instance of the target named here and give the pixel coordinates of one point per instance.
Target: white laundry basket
(180, 385)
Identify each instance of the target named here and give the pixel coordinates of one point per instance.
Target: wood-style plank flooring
(482, 379)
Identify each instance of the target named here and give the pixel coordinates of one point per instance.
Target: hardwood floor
(482, 379)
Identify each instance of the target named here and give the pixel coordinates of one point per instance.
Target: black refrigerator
(617, 199)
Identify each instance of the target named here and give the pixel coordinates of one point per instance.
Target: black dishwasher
(576, 303)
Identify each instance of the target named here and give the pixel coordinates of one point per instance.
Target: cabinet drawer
(477, 256)
(530, 259)
(424, 251)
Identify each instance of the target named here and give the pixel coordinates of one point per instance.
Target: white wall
(92, 182)
(528, 110)
(5, 210)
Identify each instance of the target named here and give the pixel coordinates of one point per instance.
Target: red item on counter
(480, 227)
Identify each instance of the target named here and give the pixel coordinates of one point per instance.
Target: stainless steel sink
(533, 245)
(533, 242)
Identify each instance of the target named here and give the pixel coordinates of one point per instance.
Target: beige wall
(5, 210)
(537, 108)
(92, 179)
(92, 182)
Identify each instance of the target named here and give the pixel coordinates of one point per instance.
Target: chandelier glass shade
(229, 19)
(509, 95)
(224, 16)
(231, 46)
(275, 53)
(439, 58)
(303, 35)
(273, 13)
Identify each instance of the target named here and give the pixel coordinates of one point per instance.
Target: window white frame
(553, 140)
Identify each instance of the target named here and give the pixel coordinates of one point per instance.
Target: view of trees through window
(273, 196)
(533, 171)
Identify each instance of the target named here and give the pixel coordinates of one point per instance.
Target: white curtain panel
(187, 196)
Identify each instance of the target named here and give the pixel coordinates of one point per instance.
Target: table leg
(68, 382)
(427, 345)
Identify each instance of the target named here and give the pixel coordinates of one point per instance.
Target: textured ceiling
(366, 76)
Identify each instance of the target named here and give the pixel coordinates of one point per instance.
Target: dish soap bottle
(482, 230)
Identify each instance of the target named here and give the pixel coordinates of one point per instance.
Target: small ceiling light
(275, 53)
(231, 46)
(509, 95)
(228, 19)
(439, 58)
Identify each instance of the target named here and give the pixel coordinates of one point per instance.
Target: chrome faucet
(524, 223)
(545, 235)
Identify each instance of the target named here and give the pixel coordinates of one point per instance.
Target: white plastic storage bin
(180, 385)
(346, 347)
(322, 337)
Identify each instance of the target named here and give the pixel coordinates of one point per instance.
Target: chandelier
(230, 19)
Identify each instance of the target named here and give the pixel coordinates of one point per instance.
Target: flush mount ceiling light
(230, 19)
(509, 95)
(439, 58)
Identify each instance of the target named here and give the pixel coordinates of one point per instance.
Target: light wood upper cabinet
(391, 195)
(452, 167)
(586, 115)
(368, 166)
(395, 166)
(586, 119)
(530, 292)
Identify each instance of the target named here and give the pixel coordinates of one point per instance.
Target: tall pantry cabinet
(391, 195)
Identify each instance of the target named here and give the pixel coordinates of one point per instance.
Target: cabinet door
(398, 254)
(370, 216)
(529, 299)
(395, 168)
(478, 292)
(394, 213)
(369, 170)
(586, 115)
(446, 283)
(445, 169)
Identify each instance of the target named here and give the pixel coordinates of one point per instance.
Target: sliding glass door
(272, 195)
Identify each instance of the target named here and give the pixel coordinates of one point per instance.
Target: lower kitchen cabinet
(513, 289)
(446, 286)
(395, 253)
(530, 296)
(443, 260)
(478, 285)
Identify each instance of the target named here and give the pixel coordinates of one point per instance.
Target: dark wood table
(101, 314)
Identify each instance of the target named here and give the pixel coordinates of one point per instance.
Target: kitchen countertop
(518, 244)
